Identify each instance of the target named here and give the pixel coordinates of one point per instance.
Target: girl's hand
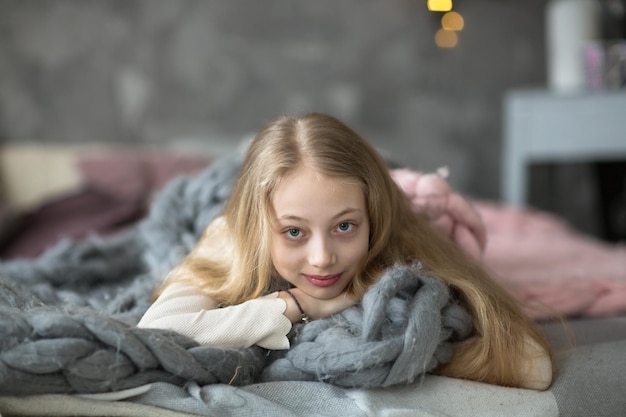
(448, 211)
(315, 308)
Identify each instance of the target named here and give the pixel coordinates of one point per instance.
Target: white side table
(540, 126)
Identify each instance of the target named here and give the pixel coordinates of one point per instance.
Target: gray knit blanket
(67, 318)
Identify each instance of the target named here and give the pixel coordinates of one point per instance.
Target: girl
(315, 209)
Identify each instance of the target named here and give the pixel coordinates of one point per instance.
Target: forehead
(305, 192)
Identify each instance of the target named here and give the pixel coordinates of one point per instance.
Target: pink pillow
(133, 175)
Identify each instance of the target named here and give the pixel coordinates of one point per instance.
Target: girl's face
(321, 232)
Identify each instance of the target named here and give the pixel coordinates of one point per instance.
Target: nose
(321, 252)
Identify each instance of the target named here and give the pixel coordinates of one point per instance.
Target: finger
(464, 213)
(467, 241)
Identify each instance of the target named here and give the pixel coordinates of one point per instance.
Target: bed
(94, 289)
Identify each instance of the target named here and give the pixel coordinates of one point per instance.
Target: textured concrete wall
(155, 71)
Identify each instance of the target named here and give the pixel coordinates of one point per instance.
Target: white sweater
(185, 309)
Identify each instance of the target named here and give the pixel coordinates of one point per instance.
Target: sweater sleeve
(185, 309)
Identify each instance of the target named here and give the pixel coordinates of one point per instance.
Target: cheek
(364, 249)
(363, 252)
(283, 258)
(356, 253)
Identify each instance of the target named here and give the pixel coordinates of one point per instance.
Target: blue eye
(345, 227)
(294, 233)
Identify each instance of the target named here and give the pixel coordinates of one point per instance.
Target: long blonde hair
(239, 265)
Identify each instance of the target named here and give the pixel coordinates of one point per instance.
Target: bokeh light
(439, 5)
(446, 38)
(452, 21)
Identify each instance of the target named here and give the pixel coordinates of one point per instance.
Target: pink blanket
(551, 267)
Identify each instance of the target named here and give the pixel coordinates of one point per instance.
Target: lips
(322, 280)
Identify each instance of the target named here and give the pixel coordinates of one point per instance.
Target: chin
(326, 293)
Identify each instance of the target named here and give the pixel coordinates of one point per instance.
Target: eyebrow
(340, 214)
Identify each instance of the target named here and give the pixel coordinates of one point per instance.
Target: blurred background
(205, 75)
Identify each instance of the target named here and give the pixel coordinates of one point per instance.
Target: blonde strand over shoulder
(496, 350)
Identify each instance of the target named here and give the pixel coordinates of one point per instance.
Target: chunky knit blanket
(67, 318)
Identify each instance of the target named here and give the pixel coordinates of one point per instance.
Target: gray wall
(155, 71)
